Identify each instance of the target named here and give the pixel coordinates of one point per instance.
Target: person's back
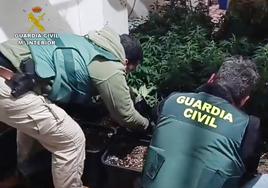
(78, 67)
(199, 136)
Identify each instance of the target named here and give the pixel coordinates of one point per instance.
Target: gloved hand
(25, 81)
(20, 84)
(138, 133)
(143, 108)
(151, 127)
(144, 130)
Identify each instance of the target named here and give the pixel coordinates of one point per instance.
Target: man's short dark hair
(238, 76)
(132, 48)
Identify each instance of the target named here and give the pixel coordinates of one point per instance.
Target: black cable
(131, 11)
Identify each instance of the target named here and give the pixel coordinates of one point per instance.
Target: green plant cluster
(180, 54)
(171, 42)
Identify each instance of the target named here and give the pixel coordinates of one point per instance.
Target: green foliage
(236, 45)
(143, 93)
(260, 97)
(261, 58)
(176, 46)
(180, 55)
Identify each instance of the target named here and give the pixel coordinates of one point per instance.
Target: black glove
(143, 108)
(20, 84)
(151, 127)
(23, 82)
(137, 133)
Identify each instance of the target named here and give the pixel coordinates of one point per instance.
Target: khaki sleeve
(15, 52)
(115, 93)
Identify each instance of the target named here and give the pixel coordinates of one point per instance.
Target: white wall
(140, 8)
(75, 16)
(116, 15)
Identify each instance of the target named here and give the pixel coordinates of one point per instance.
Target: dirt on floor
(263, 165)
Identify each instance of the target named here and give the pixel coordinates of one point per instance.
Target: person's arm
(110, 82)
(15, 52)
(156, 114)
(251, 148)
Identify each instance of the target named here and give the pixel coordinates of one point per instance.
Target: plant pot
(94, 173)
(97, 139)
(122, 176)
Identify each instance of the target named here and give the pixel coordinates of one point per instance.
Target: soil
(136, 160)
(133, 160)
(263, 165)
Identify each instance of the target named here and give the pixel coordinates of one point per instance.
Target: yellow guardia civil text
(203, 112)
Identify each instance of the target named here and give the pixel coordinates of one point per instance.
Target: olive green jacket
(108, 77)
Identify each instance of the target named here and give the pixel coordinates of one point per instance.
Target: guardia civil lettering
(36, 35)
(203, 112)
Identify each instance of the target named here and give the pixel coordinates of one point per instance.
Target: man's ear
(126, 61)
(211, 79)
(244, 101)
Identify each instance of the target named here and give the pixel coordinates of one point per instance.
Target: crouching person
(203, 139)
(68, 71)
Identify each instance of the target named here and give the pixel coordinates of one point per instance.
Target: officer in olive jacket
(71, 67)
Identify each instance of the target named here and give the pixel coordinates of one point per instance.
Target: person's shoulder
(103, 69)
(254, 122)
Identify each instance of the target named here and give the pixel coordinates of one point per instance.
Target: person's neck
(216, 90)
